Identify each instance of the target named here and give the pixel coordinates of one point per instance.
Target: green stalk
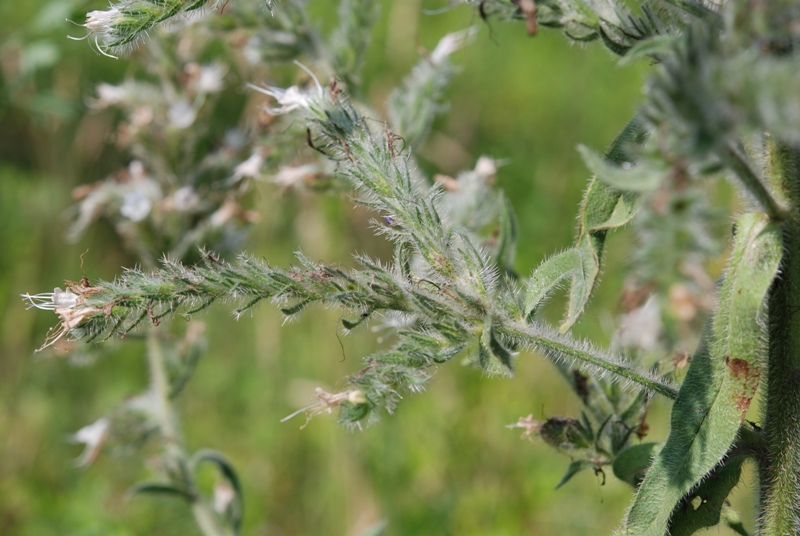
(780, 467)
(737, 162)
(176, 460)
(559, 348)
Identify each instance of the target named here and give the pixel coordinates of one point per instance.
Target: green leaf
(704, 506)
(160, 488)
(546, 278)
(574, 468)
(603, 208)
(720, 383)
(632, 463)
(235, 511)
(627, 179)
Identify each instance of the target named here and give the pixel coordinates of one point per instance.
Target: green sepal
(632, 463)
(613, 38)
(720, 383)
(490, 346)
(296, 308)
(350, 412)
(567, 434)
(649, 48)
(574, 468)
(350, 325)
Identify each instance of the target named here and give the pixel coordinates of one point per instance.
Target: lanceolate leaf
(603, 208)
(574, 468)
(721, 381)
(566, 265)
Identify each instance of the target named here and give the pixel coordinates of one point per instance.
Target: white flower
(137, 171)
(181, 114)
(250, 167)
(185, 199)
(135, 206)
(50, 301)
(450, 43)
(291, 176)
(69, 307)
(235, 138)
(109, 94)
(486, 167)
(100, 20)
(210, 79)
(93, 436)
(290, 98)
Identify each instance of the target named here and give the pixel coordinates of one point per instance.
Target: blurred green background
(444, 463)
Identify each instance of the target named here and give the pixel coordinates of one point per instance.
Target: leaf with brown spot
(718, 388)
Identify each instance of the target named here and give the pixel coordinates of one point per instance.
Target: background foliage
(444, 464)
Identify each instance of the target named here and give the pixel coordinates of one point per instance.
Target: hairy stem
(559, 348)
(780, 467)
(737, 162)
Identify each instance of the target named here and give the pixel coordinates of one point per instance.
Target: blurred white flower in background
(293, 176)
(135, 206)
(210, 79)
(93, 436)
(181, 114)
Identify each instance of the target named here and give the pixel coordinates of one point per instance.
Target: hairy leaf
(624, 177)
(603, 208)
(721, 381)
(568, 264)
(704, 506)
(632, 463)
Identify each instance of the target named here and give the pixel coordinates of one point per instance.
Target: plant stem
(559, 348)
(780, 467)
(176, 460)
(737, 162)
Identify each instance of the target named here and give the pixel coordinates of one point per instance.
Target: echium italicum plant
(722, 101)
